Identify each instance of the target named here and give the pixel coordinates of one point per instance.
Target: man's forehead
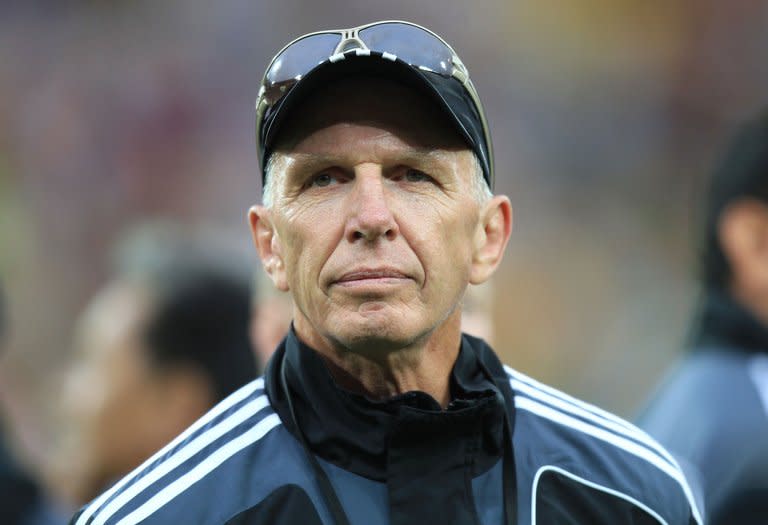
(309, 155)
(369, 100)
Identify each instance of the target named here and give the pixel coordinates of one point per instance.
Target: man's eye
(323, 179)
(412, 175)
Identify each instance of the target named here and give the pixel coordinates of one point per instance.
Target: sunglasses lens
(410, 44)
(296, 60)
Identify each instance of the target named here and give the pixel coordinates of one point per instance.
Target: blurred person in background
(159, 344)
(22, 500)
(713, 409)
(272, 313)
(477, 312)
(377, 215)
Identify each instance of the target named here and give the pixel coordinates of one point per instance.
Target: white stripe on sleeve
(230, 401)
(201, 470)
(550, 413)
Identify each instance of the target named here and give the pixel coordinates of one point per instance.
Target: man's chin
(375, 336)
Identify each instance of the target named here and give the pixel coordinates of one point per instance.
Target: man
(377, 214)
(159, 345)
(714, 409)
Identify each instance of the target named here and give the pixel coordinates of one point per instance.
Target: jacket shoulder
(589, 452)
(224, 448)
(719, 398)
(702, 391)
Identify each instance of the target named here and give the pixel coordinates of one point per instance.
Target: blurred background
(606, 118)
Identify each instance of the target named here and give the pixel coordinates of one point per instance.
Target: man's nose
(370, 216)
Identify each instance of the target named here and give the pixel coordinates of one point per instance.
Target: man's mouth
(372, 276)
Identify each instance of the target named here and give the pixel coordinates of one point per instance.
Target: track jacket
(295, 448)
(713, 411)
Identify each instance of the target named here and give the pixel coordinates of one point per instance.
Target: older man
(377, 214)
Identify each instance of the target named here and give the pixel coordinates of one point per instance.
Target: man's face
(113, 400)
(375, 222)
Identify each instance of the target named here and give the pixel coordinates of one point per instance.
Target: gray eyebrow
(310, 160)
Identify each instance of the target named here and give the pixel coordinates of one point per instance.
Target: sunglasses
(413, 44)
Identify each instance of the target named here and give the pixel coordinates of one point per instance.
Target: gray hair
(273, 174)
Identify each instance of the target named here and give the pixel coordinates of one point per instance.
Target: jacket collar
(723, 322)
(359, 434)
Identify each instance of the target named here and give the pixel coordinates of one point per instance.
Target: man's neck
(423, 366)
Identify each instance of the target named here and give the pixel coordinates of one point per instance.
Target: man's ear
(491, 237)
(743, 234)
(267, 242)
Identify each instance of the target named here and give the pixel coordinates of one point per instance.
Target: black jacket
(294, 447)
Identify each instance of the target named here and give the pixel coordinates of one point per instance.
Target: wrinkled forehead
(400, 109)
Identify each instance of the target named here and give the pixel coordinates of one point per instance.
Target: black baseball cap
(453, 94)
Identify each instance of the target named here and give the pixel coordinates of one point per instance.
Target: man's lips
(370, 276)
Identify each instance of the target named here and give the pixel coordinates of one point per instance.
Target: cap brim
(447, 93)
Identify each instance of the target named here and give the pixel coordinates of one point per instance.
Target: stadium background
(606, 116)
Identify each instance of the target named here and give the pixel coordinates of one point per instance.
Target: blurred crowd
(606, 117)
